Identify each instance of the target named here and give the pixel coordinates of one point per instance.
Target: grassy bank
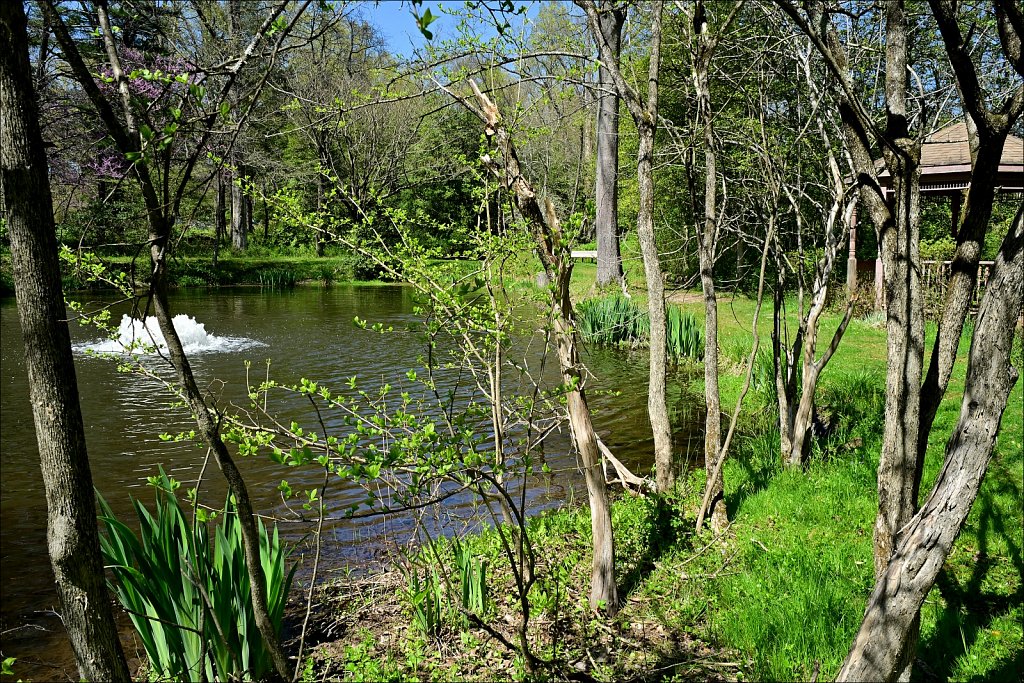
(778, 597)
(268, 269)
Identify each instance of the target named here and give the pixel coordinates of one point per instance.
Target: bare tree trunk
(657, 406)
(606, 195)
(266, 215)
(318, 236)
(888, 630)
(239, 223)
(784, 365)
(557, 262)
(970, 239)
(72, 535)
(714, 488)
(220, 209)
(220, 218)
(987, 128)
(897, 465)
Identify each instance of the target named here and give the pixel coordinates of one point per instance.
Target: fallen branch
(626, 477)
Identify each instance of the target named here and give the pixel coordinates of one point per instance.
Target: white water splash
(134, 336)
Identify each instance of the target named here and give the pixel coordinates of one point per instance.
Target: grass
(257, 267)
(781, 594)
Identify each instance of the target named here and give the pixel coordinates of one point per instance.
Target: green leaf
(423, 21)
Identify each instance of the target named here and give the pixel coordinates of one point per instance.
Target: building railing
(935, 276)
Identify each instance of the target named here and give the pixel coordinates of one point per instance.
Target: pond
(306, 332)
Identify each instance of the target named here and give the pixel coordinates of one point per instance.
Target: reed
(278, 278)
(618, 321)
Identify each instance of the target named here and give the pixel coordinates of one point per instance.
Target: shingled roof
(946, 161)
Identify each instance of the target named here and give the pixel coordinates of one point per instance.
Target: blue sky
(395, 20)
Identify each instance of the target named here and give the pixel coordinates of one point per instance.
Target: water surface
(307, 332)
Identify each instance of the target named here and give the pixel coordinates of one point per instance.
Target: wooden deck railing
(935, 276)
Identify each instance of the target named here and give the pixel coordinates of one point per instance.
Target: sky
(394, 19)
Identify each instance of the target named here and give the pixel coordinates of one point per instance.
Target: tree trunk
(784, 365)
(970, 237)
(72, 535)
(220, 211)
(266, 215)
(557, 263)
(888, 630)
(708, 238)
(606, 194)
(239, 222)
(657, 407)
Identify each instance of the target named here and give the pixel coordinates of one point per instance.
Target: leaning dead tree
(555, 257)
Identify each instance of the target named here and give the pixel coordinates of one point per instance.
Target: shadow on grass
(969, 610)
(759, 459)
(663, 528)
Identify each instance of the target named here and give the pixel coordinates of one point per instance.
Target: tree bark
(557, 263)
(72, 535)
(714, 488)
(888, 630)
(606, 194)
(657, 405)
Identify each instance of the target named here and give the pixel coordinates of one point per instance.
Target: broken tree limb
(627, 478)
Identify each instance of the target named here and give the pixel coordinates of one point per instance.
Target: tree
(606, 193)
(554, 254)
(797, 365)
(644, 112)
(703, 49)
(72, 535)
(150, 154)
(905, 541)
